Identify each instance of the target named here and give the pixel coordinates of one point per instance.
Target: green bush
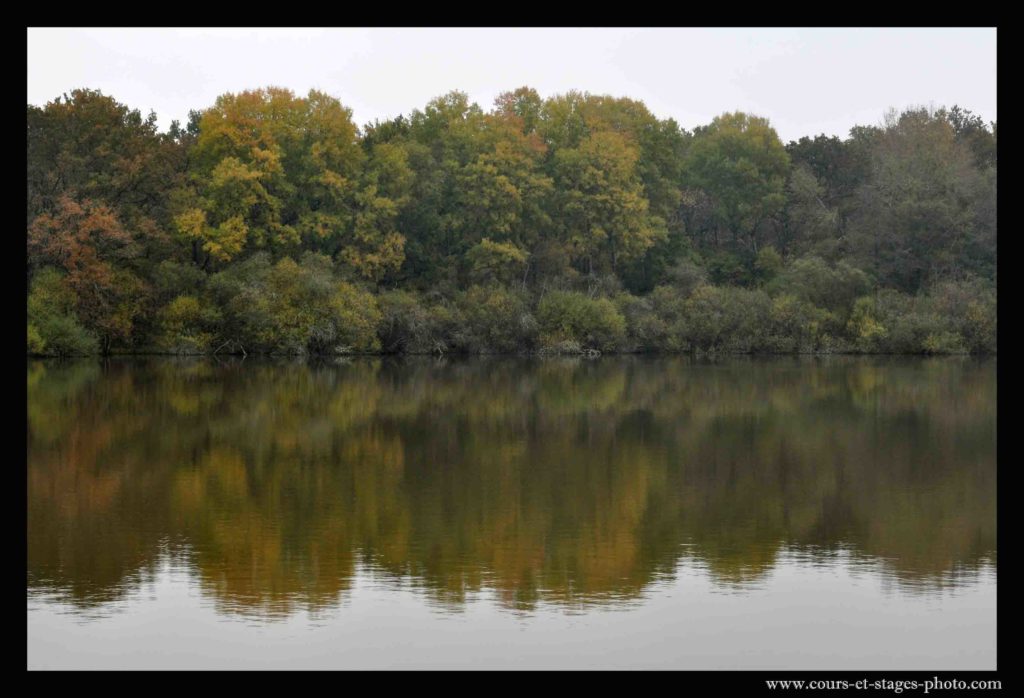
(182, 327)
(970, 308)
(296, 308)
(36, 344)
(944, 342)
(864, 327)
(408, 324)
(62, 335)
(795, 326)
(496, 320)
(949, 319)
(566, 347)
(669, 305)
(725, 319)
(645, 329)
(592, 323)
(833, 288)
(54, 329)
(979, 326)
(48, 295)
(349, 323)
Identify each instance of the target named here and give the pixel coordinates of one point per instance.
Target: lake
(617, 512)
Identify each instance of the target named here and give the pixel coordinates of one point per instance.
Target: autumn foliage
(271, 223)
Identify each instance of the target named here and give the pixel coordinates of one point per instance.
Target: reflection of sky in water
(842, 613)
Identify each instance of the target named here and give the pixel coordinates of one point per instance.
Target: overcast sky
(806, 81)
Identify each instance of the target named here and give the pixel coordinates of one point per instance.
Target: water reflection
(573, 483)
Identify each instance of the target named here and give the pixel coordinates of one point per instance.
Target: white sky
(805, 81)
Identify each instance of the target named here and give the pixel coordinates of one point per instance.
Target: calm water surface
(490, 513)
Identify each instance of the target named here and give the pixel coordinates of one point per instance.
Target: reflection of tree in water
(563, 481)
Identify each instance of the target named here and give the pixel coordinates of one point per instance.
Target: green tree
(916, 216)
(603, 214)
(739, 161)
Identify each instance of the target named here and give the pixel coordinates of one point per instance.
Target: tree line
(271, 223)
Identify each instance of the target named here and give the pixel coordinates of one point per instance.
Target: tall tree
(739, 161)
(917, 213)
(87, 242)
(603, 213)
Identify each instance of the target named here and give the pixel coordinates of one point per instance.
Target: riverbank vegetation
(270, 223)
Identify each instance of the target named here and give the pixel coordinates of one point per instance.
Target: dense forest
(271, 223)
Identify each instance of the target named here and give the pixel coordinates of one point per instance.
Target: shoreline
(521, 355)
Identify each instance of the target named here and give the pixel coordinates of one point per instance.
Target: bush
(182, 324)
(952, 318)
(349, 323)
(496, 320)
(62, 335)
(645, 330)
(53, 326)
(833, 288)
(864, 328)
(795, 326)
(979, 326)
(566, 347)
(725, 319)
(36, 344)
(49, 296)
(970, 307)
(909, 322)
(411, 326)
(296, 308)
(944, 342)
(670, 312)
(592, 323)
